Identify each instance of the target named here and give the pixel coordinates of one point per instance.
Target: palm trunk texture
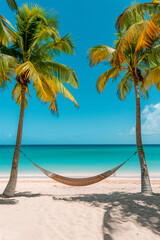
(145, 180)
(10, 188)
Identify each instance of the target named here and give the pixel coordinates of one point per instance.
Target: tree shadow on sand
(30, 195)
(27, 194)
(141, 209)
(7, 201)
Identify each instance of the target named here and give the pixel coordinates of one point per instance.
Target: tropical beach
(80, 120)
(112, 209)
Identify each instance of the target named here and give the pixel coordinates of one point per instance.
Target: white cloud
(150, 119)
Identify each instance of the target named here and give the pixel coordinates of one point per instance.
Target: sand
(112, 210)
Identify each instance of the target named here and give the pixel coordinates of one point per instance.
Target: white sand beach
(110, 210)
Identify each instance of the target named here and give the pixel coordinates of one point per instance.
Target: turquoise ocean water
(88, 159)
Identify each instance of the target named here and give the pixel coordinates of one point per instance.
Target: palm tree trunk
(145, 180)
(10, 188)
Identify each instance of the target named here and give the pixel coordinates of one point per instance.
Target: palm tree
(30, 56)
(131, 58)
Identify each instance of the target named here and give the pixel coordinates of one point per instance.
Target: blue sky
(101, 118)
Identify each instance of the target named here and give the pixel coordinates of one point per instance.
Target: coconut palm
(131, 61)
(149, 38)
(30, 56)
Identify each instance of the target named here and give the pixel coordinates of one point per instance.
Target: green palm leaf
(99, 53)
(149, 34)
(6, 32)
(7, 64)
(12, 4)
(61, 71)
(64, 44)
(43, 90)
(125, 86)
(55, 84)
(135, 13)
(16, 94)
(103, 79)
(153, 78)
(127, 43)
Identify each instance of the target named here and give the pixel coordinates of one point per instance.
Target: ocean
(80, 160)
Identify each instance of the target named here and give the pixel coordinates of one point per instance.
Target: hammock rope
(76, 181)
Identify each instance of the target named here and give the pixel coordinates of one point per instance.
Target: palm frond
(6, 32)
(103, 79)
(64, 44)
(7, 64)
(38, 37)
(99, 53)
(60, 88)
(10, 60)
(33, 25)
(46, 94)
(61, 71)
(129, 39)
(125, 86)
(53, 47)
(17, 96)
(12, 51)
(43, 90)
(50, 18)
(129, 16)
(3, 85)
(12, 4)
(148, 35)
(30, 54)
(153, 78)
(144, 91)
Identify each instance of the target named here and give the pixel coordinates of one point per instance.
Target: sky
(101, 118)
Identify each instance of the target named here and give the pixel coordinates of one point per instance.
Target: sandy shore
(112, 210)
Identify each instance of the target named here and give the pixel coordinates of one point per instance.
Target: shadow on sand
(11, 200)
(119, 207)
(27, 194)
(7, 201)
(144, 209)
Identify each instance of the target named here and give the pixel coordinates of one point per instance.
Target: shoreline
(104, 182)
(111, 180)
(121, 175)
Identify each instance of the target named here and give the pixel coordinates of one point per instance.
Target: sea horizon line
(30, 145)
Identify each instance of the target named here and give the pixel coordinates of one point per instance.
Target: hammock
(77, 181)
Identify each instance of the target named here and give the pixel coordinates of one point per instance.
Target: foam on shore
(121, 175)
